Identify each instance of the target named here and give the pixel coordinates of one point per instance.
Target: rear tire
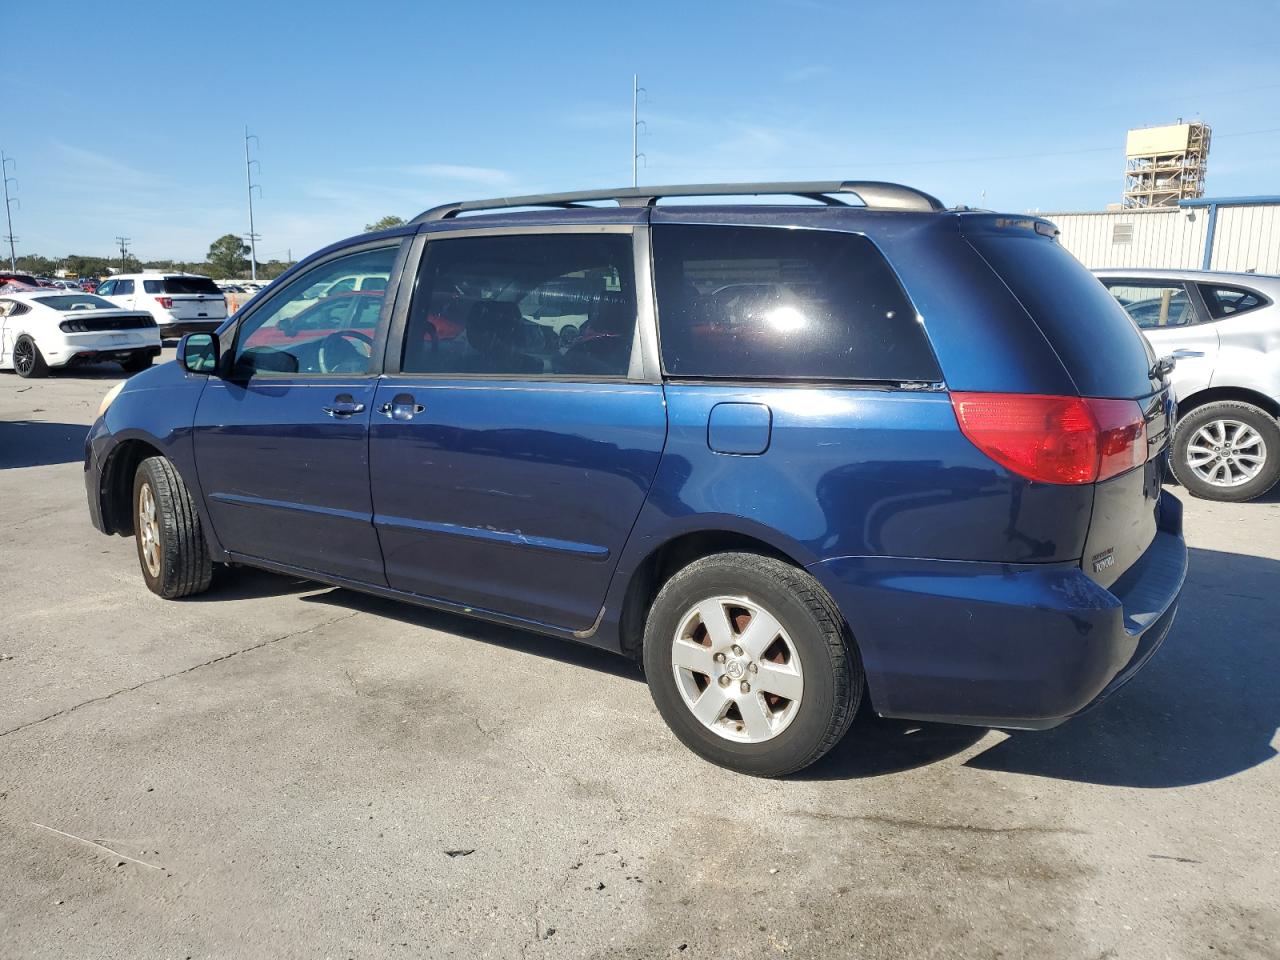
(28, 361)
(767, 701)
(171, 546)
(1227, 451)
(137, 363)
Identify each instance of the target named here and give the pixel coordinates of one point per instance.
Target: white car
(41, 328)
(180, 303)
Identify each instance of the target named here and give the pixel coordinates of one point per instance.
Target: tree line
(228, 258)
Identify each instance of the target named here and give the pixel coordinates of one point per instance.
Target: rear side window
(1153, 305)
(124, 286)
(190, 285)
(768, 303)
(1225, 301)
(526, 305)
(1100, 347)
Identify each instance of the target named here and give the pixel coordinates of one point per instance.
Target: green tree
(386, 223)
(228, 257)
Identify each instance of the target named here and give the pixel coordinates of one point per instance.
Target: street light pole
(248, 175)
(8, 206)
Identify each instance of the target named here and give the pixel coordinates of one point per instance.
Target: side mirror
(198, 352)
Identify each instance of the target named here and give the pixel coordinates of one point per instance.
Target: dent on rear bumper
(1006, 645)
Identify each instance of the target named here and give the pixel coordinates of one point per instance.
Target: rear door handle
(401, 407)
(344, 405)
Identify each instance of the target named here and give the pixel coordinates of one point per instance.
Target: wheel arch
(677, 551)
(1236, 394)
(116, 489)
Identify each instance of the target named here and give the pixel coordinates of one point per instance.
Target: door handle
(1185, 354)
(401, 407)
(344, 406)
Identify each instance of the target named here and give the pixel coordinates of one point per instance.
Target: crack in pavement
(177, 673)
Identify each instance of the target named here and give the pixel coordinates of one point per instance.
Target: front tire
(1227, 451)
(750, 664)
(28, 361)
(171, 546)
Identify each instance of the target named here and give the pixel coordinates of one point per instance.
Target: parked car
(179, 302)
(1223, 332)
(68, 285)
(89, 284)
(41, 329)
(915, 454)
(12, 278)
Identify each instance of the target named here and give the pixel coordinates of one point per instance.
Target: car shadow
(509, 638)
(1203, 709)
(35, 443)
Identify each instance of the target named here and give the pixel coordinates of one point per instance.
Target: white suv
(1223, 332)
(180, 302)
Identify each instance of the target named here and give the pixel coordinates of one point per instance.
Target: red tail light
(1054, 439)
(166, 302)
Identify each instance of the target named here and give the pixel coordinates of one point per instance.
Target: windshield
(75, 301)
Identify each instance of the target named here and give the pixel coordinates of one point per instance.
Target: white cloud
(489, 176)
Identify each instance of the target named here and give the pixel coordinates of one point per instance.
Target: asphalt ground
(280, 769)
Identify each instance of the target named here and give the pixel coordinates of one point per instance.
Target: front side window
(524, 305)
(309, 328)
(762, 302)
(1153, 305)
(107, 289)
(1226, 301)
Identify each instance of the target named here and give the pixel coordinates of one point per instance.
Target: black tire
(1259, 420)
(832, 671)
(28, 361)
(137, 363)
(181, 555)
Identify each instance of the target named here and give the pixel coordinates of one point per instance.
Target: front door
(512, 451)
(281, 441)
(1172, 315)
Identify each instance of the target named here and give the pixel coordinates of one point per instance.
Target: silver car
(1223, 329)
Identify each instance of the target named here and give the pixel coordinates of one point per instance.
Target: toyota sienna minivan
(785, 456)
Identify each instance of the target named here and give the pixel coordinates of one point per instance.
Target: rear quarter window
(1101, 348)
(771, 303)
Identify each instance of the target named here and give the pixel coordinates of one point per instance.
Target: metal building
(1164, 165)
(1208, 233)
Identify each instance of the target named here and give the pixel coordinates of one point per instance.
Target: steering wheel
(338, 355)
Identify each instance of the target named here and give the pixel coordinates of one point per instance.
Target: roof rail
(873, 193)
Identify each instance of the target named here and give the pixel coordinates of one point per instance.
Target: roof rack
(873, 193)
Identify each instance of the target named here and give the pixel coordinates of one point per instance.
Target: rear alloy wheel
(1227, 451)
(27, 359)
(171, 547)
(749, 663)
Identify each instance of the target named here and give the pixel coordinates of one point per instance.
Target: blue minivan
(785, 456)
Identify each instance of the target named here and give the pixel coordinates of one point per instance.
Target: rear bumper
(1022, 646)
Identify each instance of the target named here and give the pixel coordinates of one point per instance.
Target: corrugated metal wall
(1245, 238)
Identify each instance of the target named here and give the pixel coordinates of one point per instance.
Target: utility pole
(8, 206)
(248, 176)
(124, 253)
(636, 123)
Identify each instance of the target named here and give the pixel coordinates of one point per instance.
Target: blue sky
(128, 120)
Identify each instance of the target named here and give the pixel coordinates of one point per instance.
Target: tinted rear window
(1099, 345)
(76, 301)
(191, 285)
(763, 302)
